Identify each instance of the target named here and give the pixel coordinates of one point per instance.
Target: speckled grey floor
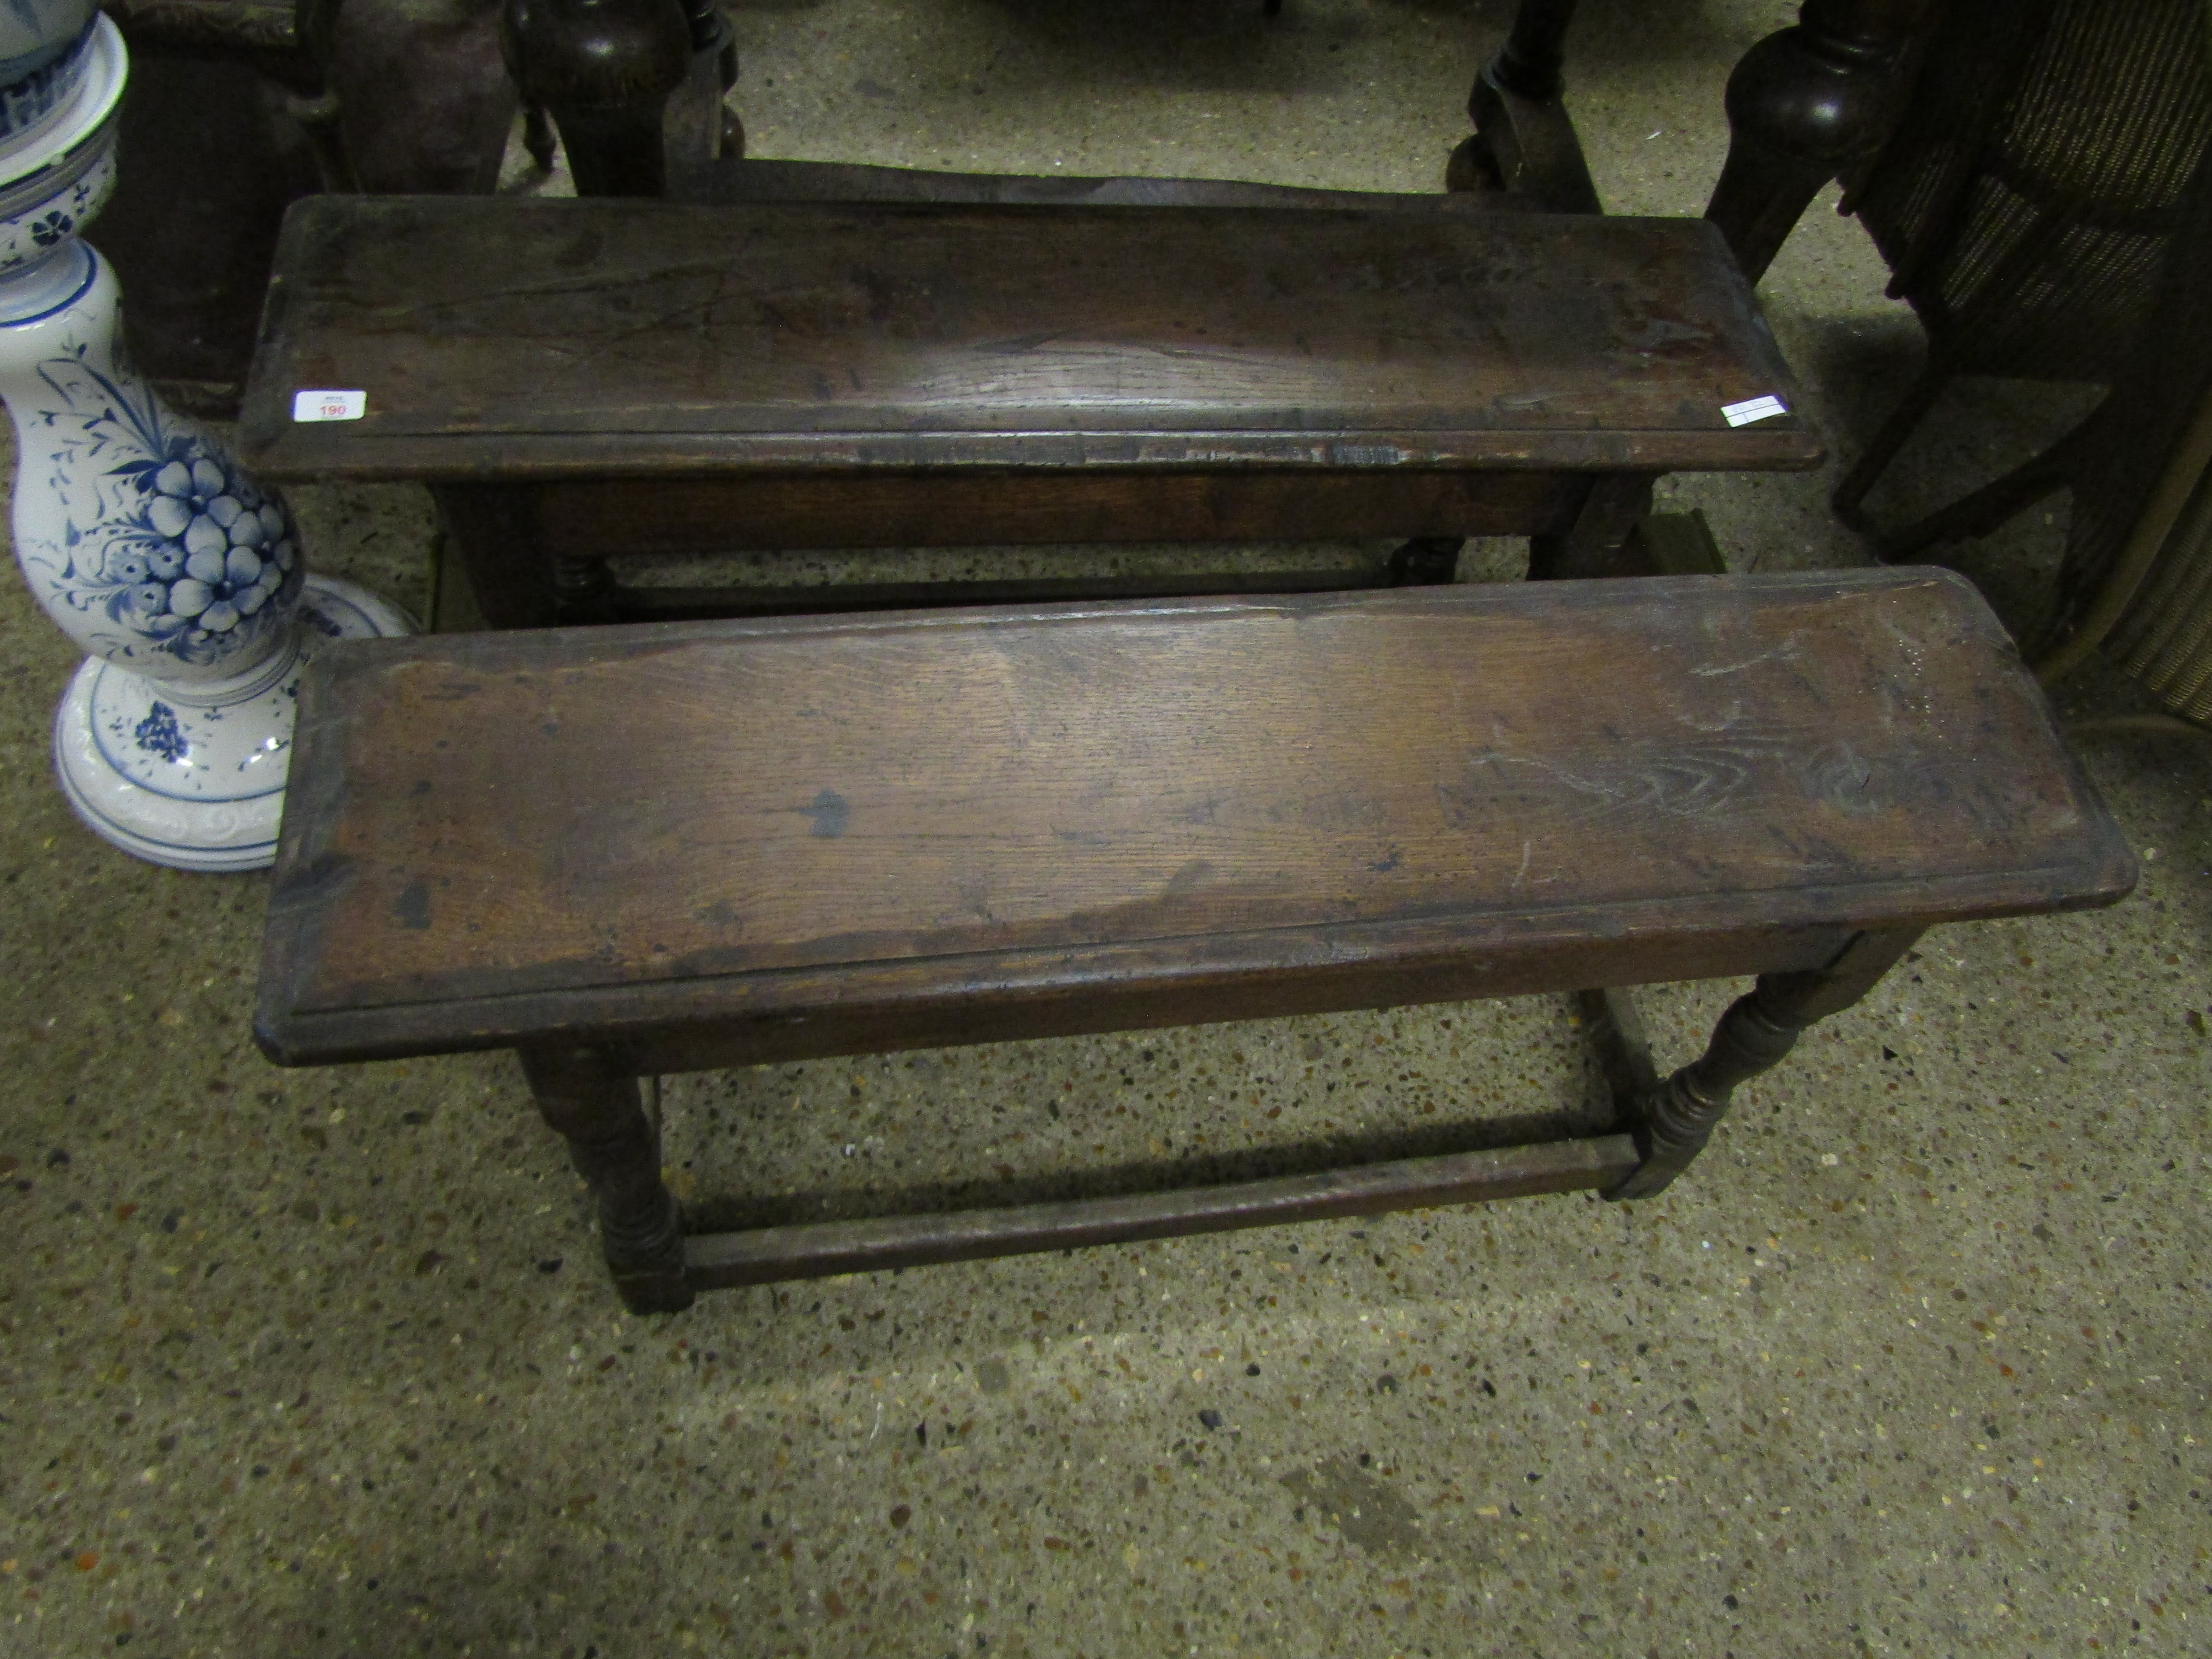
(1914, 1362)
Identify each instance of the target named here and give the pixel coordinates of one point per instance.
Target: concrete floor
(1913, 1361)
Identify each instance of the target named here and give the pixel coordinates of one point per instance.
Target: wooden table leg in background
(1806, 105)
(594, 1105)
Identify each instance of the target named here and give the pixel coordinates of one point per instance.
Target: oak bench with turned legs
(630, 850)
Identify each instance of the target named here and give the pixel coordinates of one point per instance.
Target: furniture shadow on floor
(999, 1124)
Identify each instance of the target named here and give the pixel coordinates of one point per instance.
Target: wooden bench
(583, 381)
(624, 852)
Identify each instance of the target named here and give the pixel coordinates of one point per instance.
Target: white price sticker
(328, 405)
(1754, 409)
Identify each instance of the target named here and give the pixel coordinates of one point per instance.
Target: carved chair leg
(594, 1105)
(1675, 1119)
(1806, 105)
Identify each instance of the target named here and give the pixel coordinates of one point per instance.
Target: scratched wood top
(512, 338)
(474, 819)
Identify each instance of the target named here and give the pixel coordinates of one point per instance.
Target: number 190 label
(328, 405)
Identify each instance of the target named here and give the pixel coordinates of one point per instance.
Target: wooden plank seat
(630, 850)
(584, 380)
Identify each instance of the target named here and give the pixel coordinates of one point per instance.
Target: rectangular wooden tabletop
(487, 833)
(508, 339)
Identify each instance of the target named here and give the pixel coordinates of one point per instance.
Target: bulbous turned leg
(1806, 105)
(605, 71)
(593, 1104)
(1679, 1116)
(1675, 1120)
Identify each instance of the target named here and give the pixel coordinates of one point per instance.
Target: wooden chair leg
(584, 590)
(1673, 1121)
(605, 71)
(1806, 105)
(594, 1105)
(698, 126)
(1523, 140)
(1993, 503)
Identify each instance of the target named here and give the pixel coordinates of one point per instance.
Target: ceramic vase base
(190, 776)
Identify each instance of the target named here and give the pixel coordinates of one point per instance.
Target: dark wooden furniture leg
(491, 535)
(1807, 105)
(605, 71)
(1673, 1121)
(1523, 141)
(494, 533)
(1425, 561)
(1599, 543)
(593, 1103)
(699, 130)
(537, 136)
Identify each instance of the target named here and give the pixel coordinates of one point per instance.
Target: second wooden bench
(582, 382)
(635, 850)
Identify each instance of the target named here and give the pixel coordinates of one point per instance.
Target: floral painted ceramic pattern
(165, 547)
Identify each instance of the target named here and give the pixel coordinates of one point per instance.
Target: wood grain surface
(517, 339)
(788, 821)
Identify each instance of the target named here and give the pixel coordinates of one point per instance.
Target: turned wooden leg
(593, 1104)
(584, 590)
(1597, 544)
(1673, 1120)
(1806, 105)
(605, 71)
(1523, 141)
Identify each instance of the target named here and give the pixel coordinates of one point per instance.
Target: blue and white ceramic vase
(179, 577)
(44, 48)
